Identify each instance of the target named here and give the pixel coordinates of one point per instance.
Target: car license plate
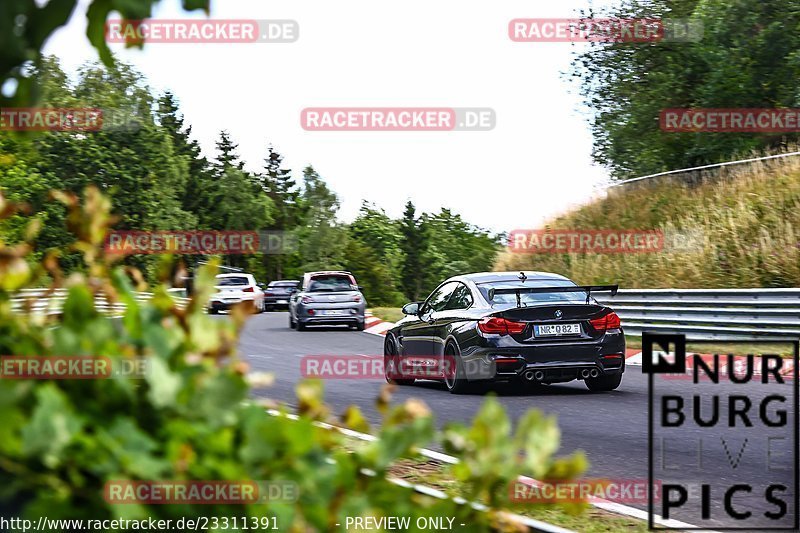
(332, 312)
(283, 301)
(552, 330)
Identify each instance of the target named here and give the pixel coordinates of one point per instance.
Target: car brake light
(308, 299)
(605, 322)
(357, 298)
(496, 324)
(249, 289)
(268, 294)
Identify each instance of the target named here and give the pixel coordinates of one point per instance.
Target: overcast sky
(360, 53)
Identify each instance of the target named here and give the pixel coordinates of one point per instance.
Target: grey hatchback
(327, 298)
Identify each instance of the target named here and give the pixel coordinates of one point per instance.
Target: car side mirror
(411, 309)
(262, 285)
(361, 288)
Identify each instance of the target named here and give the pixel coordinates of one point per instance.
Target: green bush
(191, 416)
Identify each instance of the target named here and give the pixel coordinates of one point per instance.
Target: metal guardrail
(702, 314)
(50, 302)
(703, 167)
(710, 314)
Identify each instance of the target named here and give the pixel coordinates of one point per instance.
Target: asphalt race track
(610, 427)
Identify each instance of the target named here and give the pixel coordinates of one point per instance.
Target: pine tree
(415, 245)
(196, 195)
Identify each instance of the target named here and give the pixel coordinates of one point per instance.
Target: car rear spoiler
(533, 290)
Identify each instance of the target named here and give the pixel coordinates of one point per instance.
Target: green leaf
(52, 426)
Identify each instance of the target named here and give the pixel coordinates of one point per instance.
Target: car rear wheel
(300, 326)
(292, 323)
(391, 363)
(603, 383)
(213, 311)
(454, 376)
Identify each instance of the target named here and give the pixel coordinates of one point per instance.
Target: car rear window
(531, 298)
(330, 283)
(225, 282)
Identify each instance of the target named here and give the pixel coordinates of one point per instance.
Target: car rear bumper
(557, 361)
(276, 301)
(227, 303)
(318, 313)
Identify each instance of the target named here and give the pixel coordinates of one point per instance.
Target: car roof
(323, 272)
(489, 277)
(284, 281)
(233, 275)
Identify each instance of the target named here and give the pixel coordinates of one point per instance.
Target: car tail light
(268, 294)
(357, 298)
(310, 311)
(249, 289)
(308, 299)
(496, 324)
(605, 322)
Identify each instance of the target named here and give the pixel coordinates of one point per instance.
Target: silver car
(327, 298)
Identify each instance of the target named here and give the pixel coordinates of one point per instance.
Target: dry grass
(745, 221)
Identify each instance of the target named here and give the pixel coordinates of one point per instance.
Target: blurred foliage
(191, 416)
(25, 26)
(748, 57)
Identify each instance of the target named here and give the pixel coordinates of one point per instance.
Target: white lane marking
(607, 505)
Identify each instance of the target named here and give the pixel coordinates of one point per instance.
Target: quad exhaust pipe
(589, 373)
(538, 375)
(532, 375)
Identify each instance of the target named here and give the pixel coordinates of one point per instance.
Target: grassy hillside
(746, 226)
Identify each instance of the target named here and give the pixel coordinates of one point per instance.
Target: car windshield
(532, 298)
(282, 284)
(228, 281)
(330, 284)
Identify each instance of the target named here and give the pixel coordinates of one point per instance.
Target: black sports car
(534, 327)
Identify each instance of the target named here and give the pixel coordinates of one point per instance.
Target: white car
(233, 289)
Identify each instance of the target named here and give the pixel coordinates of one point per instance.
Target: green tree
(416, 249)
(748, 57)
(195, 195)
(321, 238)
(282, 189)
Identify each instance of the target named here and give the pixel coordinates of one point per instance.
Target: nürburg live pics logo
(722, 446)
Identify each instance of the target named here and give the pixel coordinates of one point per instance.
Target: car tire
(360, 326)
(603, 383)
(456, 382)
(300, 326)
(212, 311)
(292, 323)
(391, 360)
